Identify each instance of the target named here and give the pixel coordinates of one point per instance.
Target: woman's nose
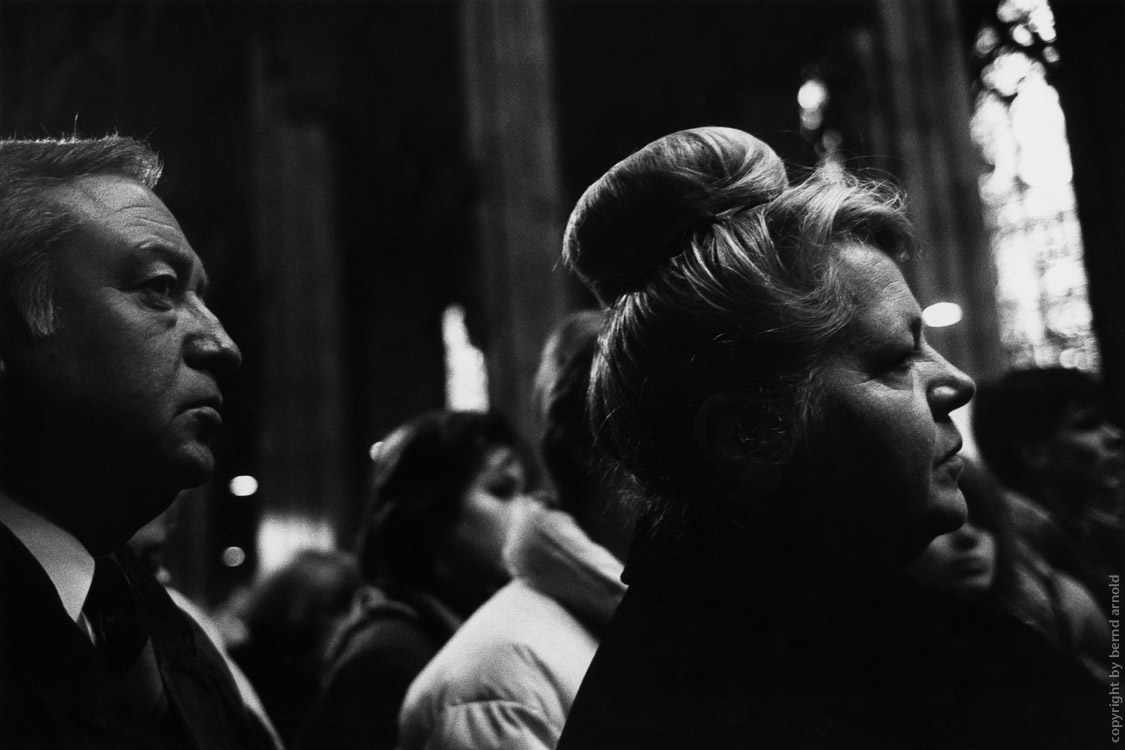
(950, 389)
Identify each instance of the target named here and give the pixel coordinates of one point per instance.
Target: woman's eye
(504, 488)
(900, 365)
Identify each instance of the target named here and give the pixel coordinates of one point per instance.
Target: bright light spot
(1042, 21)
(375, 450)
(986, 41)
(941, 314)
(280, 538)
(1010, 11)
(812, 95)
(1063, 277)
(466, 378)
(811, 119)
(1073, 358)
(243, 486)
(1007, 72)
(1040, 131)
(832, 140)
(233, 557)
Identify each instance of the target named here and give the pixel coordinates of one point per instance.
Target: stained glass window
(1027, 192)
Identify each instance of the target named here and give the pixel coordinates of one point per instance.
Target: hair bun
(634, 219)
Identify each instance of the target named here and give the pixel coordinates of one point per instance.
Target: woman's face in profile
(1086, 454)
(487, 509)
(883, 464)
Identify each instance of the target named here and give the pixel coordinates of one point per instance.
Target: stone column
(302, 436)
(927, 109)
(512, 144)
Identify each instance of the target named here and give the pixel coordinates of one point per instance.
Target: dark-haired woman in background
(764, 378)
(445, 489)
(985, 559)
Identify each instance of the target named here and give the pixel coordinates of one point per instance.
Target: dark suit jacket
(56, 693)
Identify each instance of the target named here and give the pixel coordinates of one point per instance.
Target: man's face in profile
(130, 373)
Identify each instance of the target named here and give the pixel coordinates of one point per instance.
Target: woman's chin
(949, 512)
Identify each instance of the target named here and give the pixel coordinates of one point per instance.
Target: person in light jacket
(508, 677)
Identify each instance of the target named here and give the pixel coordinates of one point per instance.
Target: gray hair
(719, 277)
(33, 223)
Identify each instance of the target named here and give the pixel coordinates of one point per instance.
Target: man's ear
(736, 433)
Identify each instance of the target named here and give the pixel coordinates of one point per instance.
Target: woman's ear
(735, 433)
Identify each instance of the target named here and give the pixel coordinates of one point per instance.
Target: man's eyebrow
(184, 261)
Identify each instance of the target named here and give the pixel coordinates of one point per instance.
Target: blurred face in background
(487, 510)
(962, 561)
(1085, 457)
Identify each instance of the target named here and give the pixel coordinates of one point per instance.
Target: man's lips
(208, 411)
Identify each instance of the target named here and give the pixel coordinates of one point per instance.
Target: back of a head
(718, 278)
(1024, 408)
(566, 443)
(32, 223)
(293, 606)
(419, 477)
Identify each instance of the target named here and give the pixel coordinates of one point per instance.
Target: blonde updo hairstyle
(718, 276)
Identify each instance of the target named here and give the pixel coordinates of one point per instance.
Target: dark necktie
(121, 636)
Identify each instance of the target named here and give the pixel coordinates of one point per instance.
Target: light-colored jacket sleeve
(488, 725)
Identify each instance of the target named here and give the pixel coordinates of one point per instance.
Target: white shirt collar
(68, 564)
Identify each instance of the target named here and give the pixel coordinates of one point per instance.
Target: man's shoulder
(16, 561)
(30, 610)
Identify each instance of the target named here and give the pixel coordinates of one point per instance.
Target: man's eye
(902, 363)
(160, 289)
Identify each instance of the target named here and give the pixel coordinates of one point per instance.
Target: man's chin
(191, 466)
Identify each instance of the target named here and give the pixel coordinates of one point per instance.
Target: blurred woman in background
(985, 559)
(445, 487)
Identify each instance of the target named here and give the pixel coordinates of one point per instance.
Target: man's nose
(209, 346)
